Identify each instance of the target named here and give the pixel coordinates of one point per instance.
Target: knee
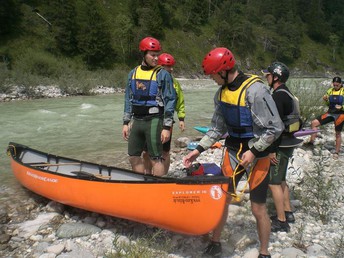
(314, 123)
(259, 210)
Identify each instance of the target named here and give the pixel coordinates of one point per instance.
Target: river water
(86, 128)
(90, 128)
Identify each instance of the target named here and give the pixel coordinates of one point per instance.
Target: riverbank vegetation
(78, 45)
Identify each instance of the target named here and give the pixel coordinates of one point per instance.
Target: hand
(181, 126)
(338, 107)
(125, 132)
(273, 158)
(325, 97)
(247, 159)
(165, 135)
(191, 157)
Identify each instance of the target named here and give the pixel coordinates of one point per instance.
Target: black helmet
(337, 79)
(280, 70)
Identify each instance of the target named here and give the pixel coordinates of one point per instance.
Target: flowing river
(86, 128)
(90, 128)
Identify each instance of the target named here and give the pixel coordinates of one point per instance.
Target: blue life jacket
(237, 115)
(144, 87)
(336, 98)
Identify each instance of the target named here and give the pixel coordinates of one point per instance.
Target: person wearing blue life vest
(288, 108)
(167, 61)
(334, 99)
(245, 110)
(149, 103)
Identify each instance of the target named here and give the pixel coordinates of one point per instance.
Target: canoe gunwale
(148, 179)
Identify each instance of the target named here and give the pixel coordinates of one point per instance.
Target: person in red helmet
(149, 105)
(244, 109)
(167, 61)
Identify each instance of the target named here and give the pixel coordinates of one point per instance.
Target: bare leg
(167, 160)
(218, 230)
(263, 225)
(147, 162)
(137, 164)
(315, 123)
(158, 168)
(287, 206)
(278, 197)
(338, 141)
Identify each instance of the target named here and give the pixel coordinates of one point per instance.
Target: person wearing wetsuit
(334, 99)
(149, 103)
(245, 109)
(277, 75)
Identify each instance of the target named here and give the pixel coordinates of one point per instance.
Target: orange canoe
(188, 205)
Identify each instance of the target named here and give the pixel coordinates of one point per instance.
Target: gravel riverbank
(37, 227)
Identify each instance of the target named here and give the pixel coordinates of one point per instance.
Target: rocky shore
(40, 228)
(40, 91)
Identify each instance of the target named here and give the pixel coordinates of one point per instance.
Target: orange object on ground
(178, 204)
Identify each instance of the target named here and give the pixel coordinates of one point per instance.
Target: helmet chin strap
(273, 82)
(225, 78)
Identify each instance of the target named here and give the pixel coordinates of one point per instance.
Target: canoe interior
(84, 170)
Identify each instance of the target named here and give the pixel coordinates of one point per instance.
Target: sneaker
(214, 249)
(309, 145)
(289, 215)
(277, 225)
(264, 256)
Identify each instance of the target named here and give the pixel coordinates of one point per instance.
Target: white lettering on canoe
(42, 178)
(190, 192)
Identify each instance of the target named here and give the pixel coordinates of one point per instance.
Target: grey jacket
(267, 124)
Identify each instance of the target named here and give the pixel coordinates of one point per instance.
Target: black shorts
(258, 175)
(278, 172)
(338, 120)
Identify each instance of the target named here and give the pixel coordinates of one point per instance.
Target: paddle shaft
(53, 165)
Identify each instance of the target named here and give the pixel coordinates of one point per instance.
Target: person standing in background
(150, 99)
(334, 99)
(167, 61)
(277, 75)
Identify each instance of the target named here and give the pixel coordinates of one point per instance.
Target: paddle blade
(305, 132)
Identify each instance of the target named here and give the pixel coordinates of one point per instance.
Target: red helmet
(166, 59)
(218, 59)
(150, 43)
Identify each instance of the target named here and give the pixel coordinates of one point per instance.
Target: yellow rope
(236, 196)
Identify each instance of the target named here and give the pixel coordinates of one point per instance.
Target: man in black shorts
(277, 75)
(245, 109)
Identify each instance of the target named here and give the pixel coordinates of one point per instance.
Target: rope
(236, 196)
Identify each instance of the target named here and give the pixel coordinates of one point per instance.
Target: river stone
(71, 230)
(4, 238)
(4, 218)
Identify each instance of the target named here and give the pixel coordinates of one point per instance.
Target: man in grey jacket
(245, 109)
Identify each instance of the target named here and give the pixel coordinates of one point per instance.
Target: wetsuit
(150, 99)
(334, 114)
(252, 122)
(284, 105)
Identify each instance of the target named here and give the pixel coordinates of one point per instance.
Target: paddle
(305, 132)
(53, 165)
(84, 174)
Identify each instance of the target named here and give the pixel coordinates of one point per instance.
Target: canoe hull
(182, 208)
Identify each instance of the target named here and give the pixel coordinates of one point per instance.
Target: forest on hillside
(60, 40)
